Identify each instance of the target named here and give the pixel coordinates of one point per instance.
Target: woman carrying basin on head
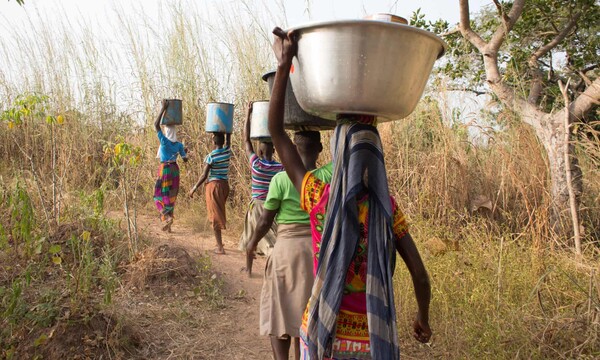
(356, 229)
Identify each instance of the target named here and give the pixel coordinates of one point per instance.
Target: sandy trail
(235, 328)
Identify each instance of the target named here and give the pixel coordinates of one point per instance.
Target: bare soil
(180, 314)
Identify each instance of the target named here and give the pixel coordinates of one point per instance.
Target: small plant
(108, 276)
(125, 159)
(81, 275)
(212, 285)
(27, 110)
(22, 223)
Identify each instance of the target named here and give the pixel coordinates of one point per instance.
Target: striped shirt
(218, 160)
(262, 173)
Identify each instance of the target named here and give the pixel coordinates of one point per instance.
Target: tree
(524, 49)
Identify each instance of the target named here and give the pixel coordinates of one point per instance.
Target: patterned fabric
(166, 188)
(352, 332)
(262, 173)
(368, 269)
(168, 149)
(218, 160)
(356, 118)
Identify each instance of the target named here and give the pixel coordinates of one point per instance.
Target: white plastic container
(259, 121)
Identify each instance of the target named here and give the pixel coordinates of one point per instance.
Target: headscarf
(170, 132)
(357, 149)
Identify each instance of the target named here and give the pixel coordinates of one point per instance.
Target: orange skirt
(216, 197)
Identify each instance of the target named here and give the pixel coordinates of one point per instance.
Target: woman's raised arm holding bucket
(165, 105)
(247, 141)
(285, 48)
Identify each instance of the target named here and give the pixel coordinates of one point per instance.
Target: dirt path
(175, 323)
(231, 331)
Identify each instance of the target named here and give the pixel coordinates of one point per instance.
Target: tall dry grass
(503, 287)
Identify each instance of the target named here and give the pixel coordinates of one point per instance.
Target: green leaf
(56, 259)
(54, 249)
(41, 340)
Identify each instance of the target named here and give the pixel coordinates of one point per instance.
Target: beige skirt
(288, 281)
(253, 215)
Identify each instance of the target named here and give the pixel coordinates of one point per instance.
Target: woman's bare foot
(219, 251)
(168, 223)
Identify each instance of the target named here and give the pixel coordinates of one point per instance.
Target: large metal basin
(362, 67)
(294, 118)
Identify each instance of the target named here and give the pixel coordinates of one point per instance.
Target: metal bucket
(173, 115)
(219, 117)
(362, 67)
(259, 121)
(294, 118)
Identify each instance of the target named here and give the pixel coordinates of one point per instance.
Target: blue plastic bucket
(219, 117)
(173, 115)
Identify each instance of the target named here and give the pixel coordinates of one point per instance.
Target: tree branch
(451, 32)
(587, 99)
(465, 27)
(501, 12)
(567, 158)
(535, 90)
(474, 91)
(554, 42)
(536, 87)
(508, 23)
(589, 68)
(530, 114)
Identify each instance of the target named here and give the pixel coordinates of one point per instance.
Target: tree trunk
(552, 138)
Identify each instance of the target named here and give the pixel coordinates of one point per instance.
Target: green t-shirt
(324, 173)
(285, 199)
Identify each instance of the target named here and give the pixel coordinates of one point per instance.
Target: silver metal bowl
(294, 118)
(362, 67)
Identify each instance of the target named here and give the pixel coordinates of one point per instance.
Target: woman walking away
(167, 183)
(216, 175)
(288, 273)
(356, 228)
(263, 168)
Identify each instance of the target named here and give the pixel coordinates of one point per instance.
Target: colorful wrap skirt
(166, 188)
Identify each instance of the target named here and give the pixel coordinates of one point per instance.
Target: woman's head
(266, 150)
(218, 139)
(308, 144)
(170, 132)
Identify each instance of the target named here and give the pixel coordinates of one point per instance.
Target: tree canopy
(551, 41)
